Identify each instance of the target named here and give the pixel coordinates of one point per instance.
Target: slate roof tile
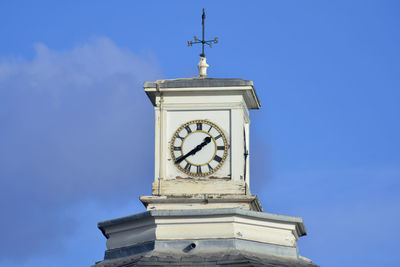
(234, 258)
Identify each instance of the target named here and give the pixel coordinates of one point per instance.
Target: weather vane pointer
(202, 41)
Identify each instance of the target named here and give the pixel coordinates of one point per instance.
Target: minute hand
(194, 150)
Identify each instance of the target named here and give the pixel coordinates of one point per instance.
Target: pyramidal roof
(231, 258)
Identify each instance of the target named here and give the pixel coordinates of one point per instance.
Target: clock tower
(201, 211)
(201, 143)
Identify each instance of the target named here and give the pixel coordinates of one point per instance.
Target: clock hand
(191, 152)
(194, 150)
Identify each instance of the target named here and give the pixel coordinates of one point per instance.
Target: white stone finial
(203, 67)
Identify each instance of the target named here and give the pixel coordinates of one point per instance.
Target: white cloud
(75, 124)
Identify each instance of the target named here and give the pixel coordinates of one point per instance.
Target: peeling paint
(219, 178)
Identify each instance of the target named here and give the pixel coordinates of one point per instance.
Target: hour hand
(205, 142)
(199, 147)
(194, 150)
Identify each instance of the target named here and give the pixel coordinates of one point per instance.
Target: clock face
(199, 148)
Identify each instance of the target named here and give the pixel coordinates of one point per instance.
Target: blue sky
(76, 129)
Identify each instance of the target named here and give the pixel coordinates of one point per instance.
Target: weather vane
(203, 42)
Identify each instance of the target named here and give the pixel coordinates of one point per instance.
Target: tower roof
(231, 258)
(215, 85)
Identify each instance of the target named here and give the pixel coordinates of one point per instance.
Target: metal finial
(202, 41)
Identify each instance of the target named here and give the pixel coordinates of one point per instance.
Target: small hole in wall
(189, 247)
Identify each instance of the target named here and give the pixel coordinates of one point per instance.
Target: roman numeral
(198, 169)
(180, 137)
(199, 126)
(188, 166)
(210, 129)
(188, 129)
(209, 167)
(220, 147)
(217, 158)
(219, 136)
(177, 148)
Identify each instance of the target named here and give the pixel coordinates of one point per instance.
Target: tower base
(203, 237)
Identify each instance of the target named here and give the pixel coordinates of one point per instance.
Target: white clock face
(199, 148)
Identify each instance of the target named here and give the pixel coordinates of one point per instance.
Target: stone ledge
(198, 212)
(246, 202)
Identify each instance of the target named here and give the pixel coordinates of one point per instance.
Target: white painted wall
(226, 107)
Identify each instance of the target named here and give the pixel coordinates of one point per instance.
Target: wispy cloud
(74, 125)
